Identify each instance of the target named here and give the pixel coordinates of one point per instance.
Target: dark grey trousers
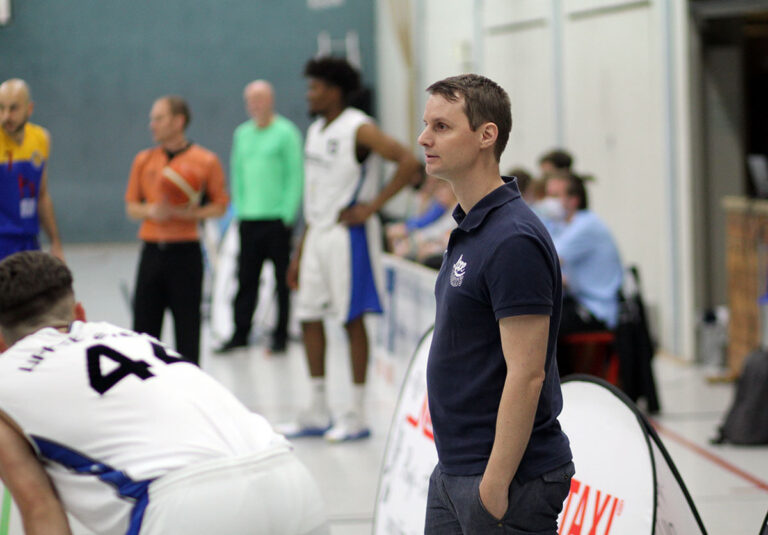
(454, 506)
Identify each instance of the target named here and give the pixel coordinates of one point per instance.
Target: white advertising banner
(225, 285)
(410, 455)
(409, 310)
(224, 288)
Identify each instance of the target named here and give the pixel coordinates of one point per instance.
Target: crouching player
(134, 439)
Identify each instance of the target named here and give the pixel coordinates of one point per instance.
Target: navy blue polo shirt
(500, 262)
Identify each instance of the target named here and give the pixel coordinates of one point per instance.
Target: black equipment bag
(634, 344)
(747, 418)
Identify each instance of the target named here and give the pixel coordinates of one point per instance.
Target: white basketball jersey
(110, 410)
(333, 178)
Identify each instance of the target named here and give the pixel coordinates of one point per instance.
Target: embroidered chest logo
(458, 271)
(36, 159)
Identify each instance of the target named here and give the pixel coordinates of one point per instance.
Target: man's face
(320, 96)
(451, 147)
(162, 123)
(258, 104)
(15, 109)
(547, 168)
(558, 188)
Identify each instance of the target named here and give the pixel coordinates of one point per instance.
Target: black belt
(171, 245)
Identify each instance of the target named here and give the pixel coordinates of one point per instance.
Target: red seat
(596, 354)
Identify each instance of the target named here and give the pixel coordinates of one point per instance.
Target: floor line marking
(722, 463)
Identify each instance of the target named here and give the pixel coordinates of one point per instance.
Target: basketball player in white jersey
(116, 429)
(336, 265)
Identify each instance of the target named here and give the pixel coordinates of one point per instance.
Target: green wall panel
(96, 66)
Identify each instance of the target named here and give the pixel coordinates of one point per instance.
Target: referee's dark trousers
(170, 276)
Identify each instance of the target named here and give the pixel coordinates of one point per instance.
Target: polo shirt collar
(478, 213)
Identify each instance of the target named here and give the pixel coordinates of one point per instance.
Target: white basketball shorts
(269, 492)
(340, 272)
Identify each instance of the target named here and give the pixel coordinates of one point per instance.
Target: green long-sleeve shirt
(267, 171)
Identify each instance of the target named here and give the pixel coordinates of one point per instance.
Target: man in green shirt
(267, 178)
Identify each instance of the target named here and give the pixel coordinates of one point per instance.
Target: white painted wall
(621, 115)
(614, 127)
(517, 53)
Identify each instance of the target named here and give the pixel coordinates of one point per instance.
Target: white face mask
(551, 208)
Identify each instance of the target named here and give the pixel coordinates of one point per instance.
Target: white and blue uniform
(340, 270)
(138, 441)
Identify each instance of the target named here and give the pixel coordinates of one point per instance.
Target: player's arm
(293, 160)
(135, 205)
(235, 175)
(144, 210)
(524, 343)
(21, 471)
(213, 209)
(47, 216)
(371, 138)
(292, 277)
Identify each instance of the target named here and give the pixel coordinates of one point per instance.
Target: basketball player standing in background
(335, 267)
(25, 203)
(164, 191)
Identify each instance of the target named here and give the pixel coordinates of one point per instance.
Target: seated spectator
(427, 243)
(429, 210)
(531, 189)
(591, 266)
(555, 161)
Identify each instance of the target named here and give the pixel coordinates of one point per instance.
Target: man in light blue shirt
(590, 261)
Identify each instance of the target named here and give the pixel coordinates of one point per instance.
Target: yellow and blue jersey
(21, 173)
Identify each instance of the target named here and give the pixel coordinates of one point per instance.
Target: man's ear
(79, 311)
(180, 122)
(3, 345)
(490, 132)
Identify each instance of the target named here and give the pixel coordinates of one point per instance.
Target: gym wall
(95, 68)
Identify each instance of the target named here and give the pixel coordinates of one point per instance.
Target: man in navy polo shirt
(494, 390)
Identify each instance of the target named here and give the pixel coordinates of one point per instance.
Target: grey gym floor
(728, 484)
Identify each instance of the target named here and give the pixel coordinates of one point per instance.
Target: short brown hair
(484, 101)
(179, 106)
(559, 158)
(31, 282)
(524, 178)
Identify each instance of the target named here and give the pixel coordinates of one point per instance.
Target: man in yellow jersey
(25, 203)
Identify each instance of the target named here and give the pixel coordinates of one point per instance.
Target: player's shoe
(278, 347)
(348, 427)
(309, 423)
(232, 344)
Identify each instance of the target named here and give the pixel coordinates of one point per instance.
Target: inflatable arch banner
(410, 454)
(625, 481)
